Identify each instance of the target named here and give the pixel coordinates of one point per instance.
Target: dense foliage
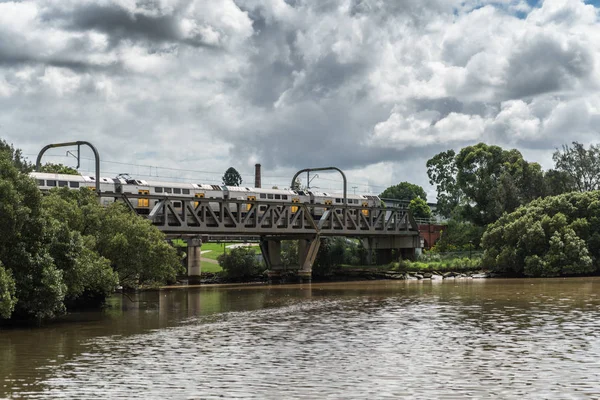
(419, 208)
(58, 169)
(63, 250)
(484, 181)
(137, 251)
(241, 263)
(459, 235)
(554, 236)
(404, 191)
(232, 177)
(581, 165)
(15, 156)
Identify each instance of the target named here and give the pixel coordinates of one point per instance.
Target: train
(110, 188)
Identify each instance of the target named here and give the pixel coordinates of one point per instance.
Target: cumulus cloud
(372, 86)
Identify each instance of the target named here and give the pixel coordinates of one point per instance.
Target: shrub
(553, 236)
(240, 263)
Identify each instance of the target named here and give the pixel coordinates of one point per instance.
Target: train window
(284, 197)
(41, 182)
(50, 183)
(338, 200)
(62, 183)
(277, 197)
(355, 201)
(177, 204)
(263, 196)
(263, 208)
(185, 191)
(168, 190)
(158, 190)
(74, 185)
(269, 196)
(176, 191)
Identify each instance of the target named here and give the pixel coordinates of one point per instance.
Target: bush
(241, 262)
(553, 236)
(7, 293)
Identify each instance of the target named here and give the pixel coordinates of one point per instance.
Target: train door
(296, 201)
(365, 211)
(198, 196)
(143, 201)
(250, 198)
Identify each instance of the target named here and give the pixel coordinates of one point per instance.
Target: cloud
(375, 87)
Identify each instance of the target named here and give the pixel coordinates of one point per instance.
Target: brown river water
(451, 339)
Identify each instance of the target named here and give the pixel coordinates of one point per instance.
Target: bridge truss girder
(260, 218)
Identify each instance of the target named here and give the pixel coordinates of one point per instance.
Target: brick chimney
(257, 176)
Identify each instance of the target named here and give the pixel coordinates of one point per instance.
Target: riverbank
(350, 274)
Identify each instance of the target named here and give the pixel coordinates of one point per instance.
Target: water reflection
(450, 339)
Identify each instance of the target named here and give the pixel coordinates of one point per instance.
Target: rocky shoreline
(354, 275)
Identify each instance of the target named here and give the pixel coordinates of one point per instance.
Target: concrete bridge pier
(193, 257)
(308, 248)
(389, 248)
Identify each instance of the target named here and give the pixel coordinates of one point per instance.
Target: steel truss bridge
(381, 229)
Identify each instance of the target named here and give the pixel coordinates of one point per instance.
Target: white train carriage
(47, 181)
(111, 186)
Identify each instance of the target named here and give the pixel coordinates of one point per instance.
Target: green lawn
(210, 267)
(216, 249)
(212, 251)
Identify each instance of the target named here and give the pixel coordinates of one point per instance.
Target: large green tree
(557, 235)
(15, 156)
(482, 182)
(581, 164)
(135, 249)
(419, 208)
(441, 170)
(232, 177)
(24, 237)
(404, 191)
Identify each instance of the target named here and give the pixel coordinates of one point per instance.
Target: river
(451, 339)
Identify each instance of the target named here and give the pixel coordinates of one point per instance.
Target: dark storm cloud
(120, 24)
(9, 57)
(542, 65)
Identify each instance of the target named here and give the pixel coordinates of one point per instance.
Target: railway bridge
(381, 229)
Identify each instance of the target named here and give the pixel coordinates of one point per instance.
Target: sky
(182, 90)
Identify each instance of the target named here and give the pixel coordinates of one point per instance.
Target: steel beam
(38, 161)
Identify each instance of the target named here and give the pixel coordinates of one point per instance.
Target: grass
(427, 264)
(212, 251)
(210, 267)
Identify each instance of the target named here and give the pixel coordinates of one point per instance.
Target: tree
(24, 234)
(240, 262)
(442, 170)
(297, 185)
(404, 191)
(232, 177)
(583, 166)
(558, 182)
(419, 208)
(58, 169)
(7, 293)
(15, 156)
(483, 181)
(553, 236)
